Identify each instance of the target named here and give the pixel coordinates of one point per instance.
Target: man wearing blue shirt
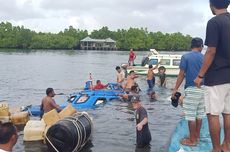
(193, 105)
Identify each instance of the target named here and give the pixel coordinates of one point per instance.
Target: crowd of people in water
(206, 90)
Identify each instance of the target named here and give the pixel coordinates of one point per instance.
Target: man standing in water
(132, 57)
(151, 76)
(216, 71)
(48, 102)
(143, 134)
(120, 76)
(130, 81)
(193, 105)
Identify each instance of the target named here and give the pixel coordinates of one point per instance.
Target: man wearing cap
(142, 129)
(216, 71)
(48, 103)
(193, 105)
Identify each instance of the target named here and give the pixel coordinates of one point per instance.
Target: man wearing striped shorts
(193, 105)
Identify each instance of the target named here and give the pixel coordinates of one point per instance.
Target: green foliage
(138, 39)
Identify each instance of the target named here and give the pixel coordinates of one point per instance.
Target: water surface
(26, 75)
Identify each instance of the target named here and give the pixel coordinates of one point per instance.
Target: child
(142, 129)
(162, 76)
(151, 76)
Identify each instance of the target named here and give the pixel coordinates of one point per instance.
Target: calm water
(24, 77)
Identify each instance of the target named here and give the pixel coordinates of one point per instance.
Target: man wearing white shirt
(120, 76)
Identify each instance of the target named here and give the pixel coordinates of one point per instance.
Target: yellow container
(4, 109)
(51, 117)
(4, 119)
(19, 118)
(67, 111)
(34, 130)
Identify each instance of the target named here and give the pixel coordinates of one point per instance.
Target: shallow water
(26, 75)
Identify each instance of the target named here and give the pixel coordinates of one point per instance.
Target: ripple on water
(66, 71)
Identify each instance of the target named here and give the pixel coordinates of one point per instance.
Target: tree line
(18, 37)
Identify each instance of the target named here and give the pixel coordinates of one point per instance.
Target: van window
(153, 61)
(71, 99)
(176, 62)
(83, 98)
(165, 62)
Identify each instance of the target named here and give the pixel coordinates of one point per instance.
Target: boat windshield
(83, 98)
(153, 61)
(165, 62)
(100, 101)
(176, 62)
(71, 99)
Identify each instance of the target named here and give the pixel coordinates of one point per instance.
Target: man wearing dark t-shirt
(216, 71)
(143, 134)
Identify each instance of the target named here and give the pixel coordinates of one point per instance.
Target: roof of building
(110, 40)
(88, 39)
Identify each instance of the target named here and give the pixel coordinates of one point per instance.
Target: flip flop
(187, 142)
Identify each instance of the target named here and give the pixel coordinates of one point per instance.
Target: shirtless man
(130, 81)
(48, 102)
(151, 77)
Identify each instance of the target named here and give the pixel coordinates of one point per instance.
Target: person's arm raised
(156, 66)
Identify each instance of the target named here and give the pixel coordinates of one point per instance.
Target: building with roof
(98, 44)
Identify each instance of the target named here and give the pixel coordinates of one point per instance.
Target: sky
(168, 16)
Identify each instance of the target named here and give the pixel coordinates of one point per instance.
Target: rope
(78, 131)
(51, 144)
(76, 122)
(85, 134)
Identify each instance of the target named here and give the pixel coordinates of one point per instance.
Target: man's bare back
(49, 104)
(150, 74)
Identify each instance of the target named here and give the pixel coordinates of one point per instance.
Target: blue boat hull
(85, 99)
(181, 131)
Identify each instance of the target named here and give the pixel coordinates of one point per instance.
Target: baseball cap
(219, 4)
(135, 98)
